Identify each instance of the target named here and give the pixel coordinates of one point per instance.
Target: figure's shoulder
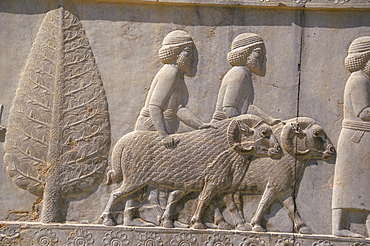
(237, 73)
(167, 72)
(358, 77)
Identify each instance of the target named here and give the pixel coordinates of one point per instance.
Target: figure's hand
(168, 142)
(207, 125)
(365, 114)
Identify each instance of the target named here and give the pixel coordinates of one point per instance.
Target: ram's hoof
(109, 222)
(168, 224)
(258, 228)
(198, 225)
(305, 230)
(223, 226)
(245, 227)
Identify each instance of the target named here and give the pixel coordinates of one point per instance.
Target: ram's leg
(289, 205)
(131, 216)
(236, 214)
(203, 201)
(154, 196)
(173, 198)
(266, 201)
(115, 197)
(219, 219)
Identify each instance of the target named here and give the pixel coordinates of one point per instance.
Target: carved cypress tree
(58, 134)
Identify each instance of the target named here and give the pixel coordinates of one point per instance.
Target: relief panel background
(125, 39)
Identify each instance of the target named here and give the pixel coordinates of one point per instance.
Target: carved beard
(367, 68)
(254, 64)
(185, 63)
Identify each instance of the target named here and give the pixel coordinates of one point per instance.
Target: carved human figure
(352, 172)
(165, 104)
(236, 93)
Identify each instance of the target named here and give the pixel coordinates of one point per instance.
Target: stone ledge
(32, 233)
(315, 4)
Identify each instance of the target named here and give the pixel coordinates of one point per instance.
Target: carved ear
(291, 131)
(244, 128)
(240, 125)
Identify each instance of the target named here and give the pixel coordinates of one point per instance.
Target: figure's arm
(360, 96)
(159, 98)
(156, 114)
(188, 118)
(253, 109)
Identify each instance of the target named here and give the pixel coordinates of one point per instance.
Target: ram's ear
(244, 128)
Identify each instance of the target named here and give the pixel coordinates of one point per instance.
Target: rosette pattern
(58, 135)
(80, 238)
(253, 241)
(45, 237)
(184, 239)
(218, 240)
(150, 239)
(115, 238)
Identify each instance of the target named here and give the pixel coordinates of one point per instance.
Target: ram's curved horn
(291, 129)
(238, 125)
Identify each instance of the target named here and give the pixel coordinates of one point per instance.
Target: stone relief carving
(253, 240)
(165, 105)
(80, 237)
(302, 139)
(7, 235)
(150, 238)
(236, 93)
(115, 238)
(352, 172)
(45, 237)
(58, 135)
(184, 239)
(2, 128)
(287, 242)
(208, 160)
(218, 239)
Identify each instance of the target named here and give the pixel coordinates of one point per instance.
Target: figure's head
(248, 49)
(178, 47)
(358, 57)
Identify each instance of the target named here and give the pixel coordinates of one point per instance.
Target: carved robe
(352, 170)
(236, 91)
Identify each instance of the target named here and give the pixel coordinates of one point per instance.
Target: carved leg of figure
(173, 198)
(236, 213)
(338, 216)
(131, 215)
(299, 226)
(266, 200)
(203, 201)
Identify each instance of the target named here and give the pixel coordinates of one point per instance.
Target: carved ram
(278, 179)
(208, 160)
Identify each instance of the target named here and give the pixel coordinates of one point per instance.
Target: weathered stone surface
(304, 43)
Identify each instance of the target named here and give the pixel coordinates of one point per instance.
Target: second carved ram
(302, 140)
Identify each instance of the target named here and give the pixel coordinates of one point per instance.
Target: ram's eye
(264, 132)
(316, 133)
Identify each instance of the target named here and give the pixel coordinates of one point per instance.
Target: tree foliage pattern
(59, 134)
